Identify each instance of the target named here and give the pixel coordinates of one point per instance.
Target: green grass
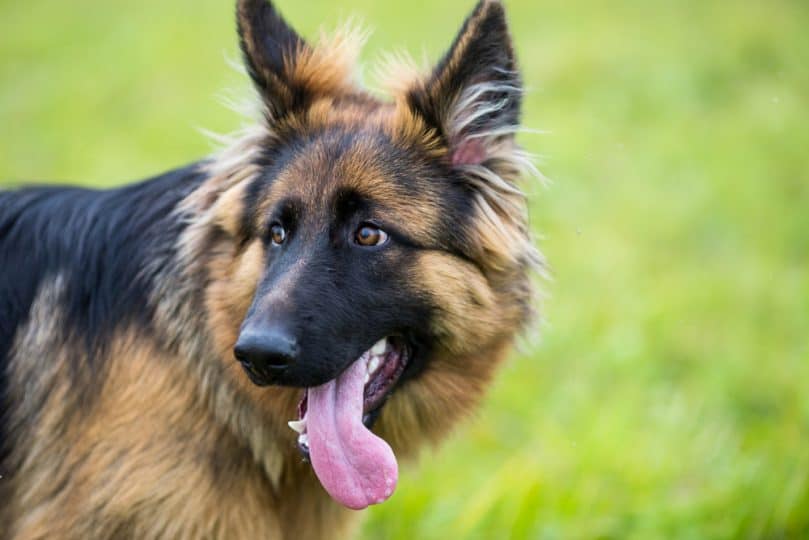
(668, 394)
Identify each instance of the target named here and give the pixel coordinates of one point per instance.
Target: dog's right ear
(271, 50)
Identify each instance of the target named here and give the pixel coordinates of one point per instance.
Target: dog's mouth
(355, 466)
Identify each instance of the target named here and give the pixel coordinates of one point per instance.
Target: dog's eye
(277, 234)
(370, 235)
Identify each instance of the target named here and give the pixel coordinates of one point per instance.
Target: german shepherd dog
(353, 268)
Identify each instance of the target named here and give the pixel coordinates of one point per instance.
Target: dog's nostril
(245, 362)
(278, 365)
(241, 355)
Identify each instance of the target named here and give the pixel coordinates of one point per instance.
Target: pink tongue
(355, 466)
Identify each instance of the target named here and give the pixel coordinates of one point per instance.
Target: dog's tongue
(355, 466)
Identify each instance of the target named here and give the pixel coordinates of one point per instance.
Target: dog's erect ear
(473, 95)
(271, 48)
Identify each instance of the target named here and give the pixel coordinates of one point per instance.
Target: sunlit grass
(667, 396)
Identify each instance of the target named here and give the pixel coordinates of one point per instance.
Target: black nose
(266, 354)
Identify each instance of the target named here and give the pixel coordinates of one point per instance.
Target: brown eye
(370, 235)
(277, 234)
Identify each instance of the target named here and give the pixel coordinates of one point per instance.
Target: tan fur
(148, 460)
(407, 127)
(327, 69)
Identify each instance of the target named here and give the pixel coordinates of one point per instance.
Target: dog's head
(373, 249)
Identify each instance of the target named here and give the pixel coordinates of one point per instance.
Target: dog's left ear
(271, 49)
(473, 95)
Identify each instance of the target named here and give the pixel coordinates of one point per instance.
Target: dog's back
(95, 242)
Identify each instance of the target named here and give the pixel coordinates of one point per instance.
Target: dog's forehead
(334, 161)
(397, 183)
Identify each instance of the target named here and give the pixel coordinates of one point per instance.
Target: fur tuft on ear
(288, 72)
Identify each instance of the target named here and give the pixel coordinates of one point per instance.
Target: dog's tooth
(380, 346)
(304, 439)
(373, 365)
(367, 378)
(298, 426)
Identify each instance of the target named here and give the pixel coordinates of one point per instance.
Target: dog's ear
(271, 49)
(473, 95)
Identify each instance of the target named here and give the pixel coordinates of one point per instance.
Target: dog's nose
(266, 354)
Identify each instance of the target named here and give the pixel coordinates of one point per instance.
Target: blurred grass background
(667, 396)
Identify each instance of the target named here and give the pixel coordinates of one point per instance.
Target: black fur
(100, 242)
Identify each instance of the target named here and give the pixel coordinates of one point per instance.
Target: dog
(246, 346)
